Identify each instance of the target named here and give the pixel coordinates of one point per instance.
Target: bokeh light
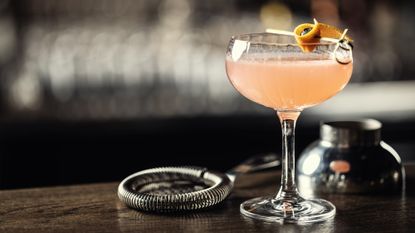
(135, 59)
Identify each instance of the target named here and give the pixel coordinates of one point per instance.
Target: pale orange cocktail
(289, 72)
(288, 84)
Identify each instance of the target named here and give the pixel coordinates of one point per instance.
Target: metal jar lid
(366, 132)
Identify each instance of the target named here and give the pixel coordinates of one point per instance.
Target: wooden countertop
(96, 208)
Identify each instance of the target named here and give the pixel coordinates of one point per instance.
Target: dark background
(92, 91)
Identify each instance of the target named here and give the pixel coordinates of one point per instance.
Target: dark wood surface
(96, 208)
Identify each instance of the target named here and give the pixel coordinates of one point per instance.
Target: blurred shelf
(385, 101)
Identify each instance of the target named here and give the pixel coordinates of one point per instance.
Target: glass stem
(288, 191)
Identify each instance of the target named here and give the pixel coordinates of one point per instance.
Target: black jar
(350, 157)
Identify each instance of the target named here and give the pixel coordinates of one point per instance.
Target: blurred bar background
(94, 90)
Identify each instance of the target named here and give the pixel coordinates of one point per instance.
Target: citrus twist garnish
(307, 34)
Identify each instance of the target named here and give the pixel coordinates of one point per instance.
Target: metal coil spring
(217, 187)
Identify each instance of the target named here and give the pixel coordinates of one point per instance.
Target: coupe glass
(274, 71)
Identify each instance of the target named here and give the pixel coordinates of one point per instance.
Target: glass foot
(275, 210)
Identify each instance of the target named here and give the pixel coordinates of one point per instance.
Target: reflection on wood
(96, 208)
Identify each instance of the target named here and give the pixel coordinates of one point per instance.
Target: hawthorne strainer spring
(172, 189)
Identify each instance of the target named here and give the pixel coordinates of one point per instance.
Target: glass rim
(239, 38)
